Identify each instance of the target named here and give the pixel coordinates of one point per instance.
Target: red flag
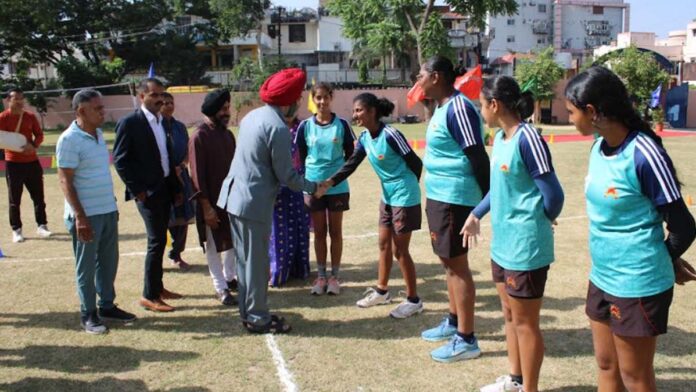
(415, 95)
(470, 83)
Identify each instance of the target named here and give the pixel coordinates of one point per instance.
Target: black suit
(138, 162)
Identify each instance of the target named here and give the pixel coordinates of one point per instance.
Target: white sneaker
(503, 384)
(372, 298)
(334, 286)
(43, 231)
(318, 287)
(406, 309)
(17, 236)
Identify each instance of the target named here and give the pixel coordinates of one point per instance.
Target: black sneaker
(232, 285)
(116, 314)
(92, 324)
(226, 298)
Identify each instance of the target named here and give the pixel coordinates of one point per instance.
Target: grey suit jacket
(262, 162)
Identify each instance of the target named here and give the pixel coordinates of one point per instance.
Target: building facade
(570, 26)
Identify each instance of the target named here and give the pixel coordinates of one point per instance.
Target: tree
(74, 73)
(415, 18)
(173, 53)
(357, 16)
(540, 76)
(434, 39)
(43, 31)
(246, 79)
(639, 71)
(236, 18)
(383, 39)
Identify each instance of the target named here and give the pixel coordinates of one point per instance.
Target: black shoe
(92, 324)
(227, 298)
(116, 314)
(232, 285)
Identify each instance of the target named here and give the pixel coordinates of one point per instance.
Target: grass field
(334, 346)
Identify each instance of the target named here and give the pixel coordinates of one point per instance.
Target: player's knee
(606, 362)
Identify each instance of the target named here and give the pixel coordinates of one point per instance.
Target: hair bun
(384, 107)
(525, 105)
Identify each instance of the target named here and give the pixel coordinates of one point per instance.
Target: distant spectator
(23, 168)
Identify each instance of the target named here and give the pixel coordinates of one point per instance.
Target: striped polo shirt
(89, 157)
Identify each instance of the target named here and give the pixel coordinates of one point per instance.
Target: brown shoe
(156, 305)
(166, 294)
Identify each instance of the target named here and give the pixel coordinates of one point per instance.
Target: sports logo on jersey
(611, 192)
(380, 157)
(433, 236)
(504, 168)
(510, 282)
(615, 312)
(335, 140)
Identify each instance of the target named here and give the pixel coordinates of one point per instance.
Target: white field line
(283, 373)
(198, 249)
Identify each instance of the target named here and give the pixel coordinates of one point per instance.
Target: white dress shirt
(157, 128)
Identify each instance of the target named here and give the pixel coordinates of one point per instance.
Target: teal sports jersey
(326, 153)
(449, 177)
(623, 190)
(400, 186)
(522, 234)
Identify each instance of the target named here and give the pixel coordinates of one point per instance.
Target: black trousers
(155, 212)
(178, 234)
(19, 175)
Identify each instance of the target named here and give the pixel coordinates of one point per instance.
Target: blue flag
(151, 71)
(655, 97)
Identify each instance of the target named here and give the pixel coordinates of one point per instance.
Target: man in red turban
(262, 162)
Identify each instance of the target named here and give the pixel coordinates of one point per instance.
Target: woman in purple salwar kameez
(289, 246)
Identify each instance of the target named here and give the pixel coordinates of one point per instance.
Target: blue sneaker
(456, 350)
(443, 331)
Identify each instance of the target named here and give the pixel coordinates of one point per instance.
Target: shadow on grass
(87, 359)
(216, 321)
(195, 269)
(103, 384)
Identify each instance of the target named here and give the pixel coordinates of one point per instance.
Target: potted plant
(658, 117)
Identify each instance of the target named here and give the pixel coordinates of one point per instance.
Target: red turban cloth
(283, 88)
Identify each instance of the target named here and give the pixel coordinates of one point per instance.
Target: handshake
(322, 187)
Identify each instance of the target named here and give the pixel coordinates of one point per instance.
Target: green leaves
(434, 39)
(639, 71)
(235, 18)
(540, 75)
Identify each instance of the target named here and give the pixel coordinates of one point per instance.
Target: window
(511, 22)
(597, 10)
(511, 38)
(693, 32)
(542, 8)
(447, 24)
(541, 41)
(296, 33)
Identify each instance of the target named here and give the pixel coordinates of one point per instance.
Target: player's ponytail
(506, 91)
(383, 107)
